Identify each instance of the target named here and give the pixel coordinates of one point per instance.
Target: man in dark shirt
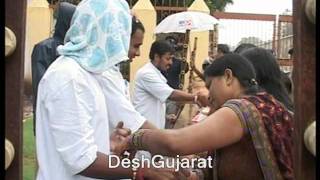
(173, 80)
(173, 74)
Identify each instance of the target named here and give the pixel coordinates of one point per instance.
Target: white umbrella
(180, 22)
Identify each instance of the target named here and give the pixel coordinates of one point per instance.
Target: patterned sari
(269, 126)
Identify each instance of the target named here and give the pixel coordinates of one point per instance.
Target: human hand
(202, 99)
(171, 118)
(119, 139)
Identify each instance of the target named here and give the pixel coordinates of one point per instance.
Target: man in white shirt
(73, 141)
(118, 98)
(151, 88)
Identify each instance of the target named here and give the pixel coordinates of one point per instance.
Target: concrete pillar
(146, 13)
(38, 26)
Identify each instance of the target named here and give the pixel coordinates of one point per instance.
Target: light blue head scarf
(99, 34)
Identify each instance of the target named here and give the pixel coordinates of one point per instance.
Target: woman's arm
(220, 129)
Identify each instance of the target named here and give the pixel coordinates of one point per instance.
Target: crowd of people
(84, 113)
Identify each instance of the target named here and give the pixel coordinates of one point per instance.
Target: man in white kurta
(72, 121)
(73, 141)
(150, 94)
(151, 89)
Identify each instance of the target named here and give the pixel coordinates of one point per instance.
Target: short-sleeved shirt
(150, 93)
(72, 121)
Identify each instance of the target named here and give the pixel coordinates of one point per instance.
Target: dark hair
(290, 51)
(174, 43)
(160, 47)
(205, 65)
(136, 24)
(241, 68)
(268, 74)
(286, 81)
(52, 1)
(242, 47)
(171, 39)
(74, 2)
(223, 48)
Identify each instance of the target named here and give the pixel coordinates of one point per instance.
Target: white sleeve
(119, 106)
(155, 86)
(69, 113)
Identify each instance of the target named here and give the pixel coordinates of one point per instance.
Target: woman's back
(268, 126)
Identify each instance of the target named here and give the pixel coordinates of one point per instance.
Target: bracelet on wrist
(136, 140)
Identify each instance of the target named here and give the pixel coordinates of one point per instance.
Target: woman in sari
(250, 130)
(268, 73)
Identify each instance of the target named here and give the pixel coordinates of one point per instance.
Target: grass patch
(29, 160)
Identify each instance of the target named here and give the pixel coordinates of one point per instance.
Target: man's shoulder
(47, 43)
(145, 69)
(64, 69)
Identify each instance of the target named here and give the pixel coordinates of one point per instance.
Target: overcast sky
(231, 31)
(260, 6)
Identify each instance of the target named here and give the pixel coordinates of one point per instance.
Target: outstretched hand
(202, 100)
(119, 139)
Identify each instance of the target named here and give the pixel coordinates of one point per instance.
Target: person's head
(243, 46)
(136, 40)
(228, 77)
(268, 73)
(161, 54)
(290, 52)
(222, 49)
(54, 5)
(174, 43)
(171, 40)
(66, 11)
(99, 35)
(286, 81)
(205, 64)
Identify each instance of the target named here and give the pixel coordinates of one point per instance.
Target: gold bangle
(136, 140)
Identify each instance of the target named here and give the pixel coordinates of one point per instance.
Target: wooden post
(192, 62)
(192, 59)
(274, 34)
(15, 19)
(304, 69)
(215, 38)
(184, 61)
(279, 45)
(184, 58)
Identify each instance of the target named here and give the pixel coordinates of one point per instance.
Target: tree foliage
(215, 4)
(251, 40)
